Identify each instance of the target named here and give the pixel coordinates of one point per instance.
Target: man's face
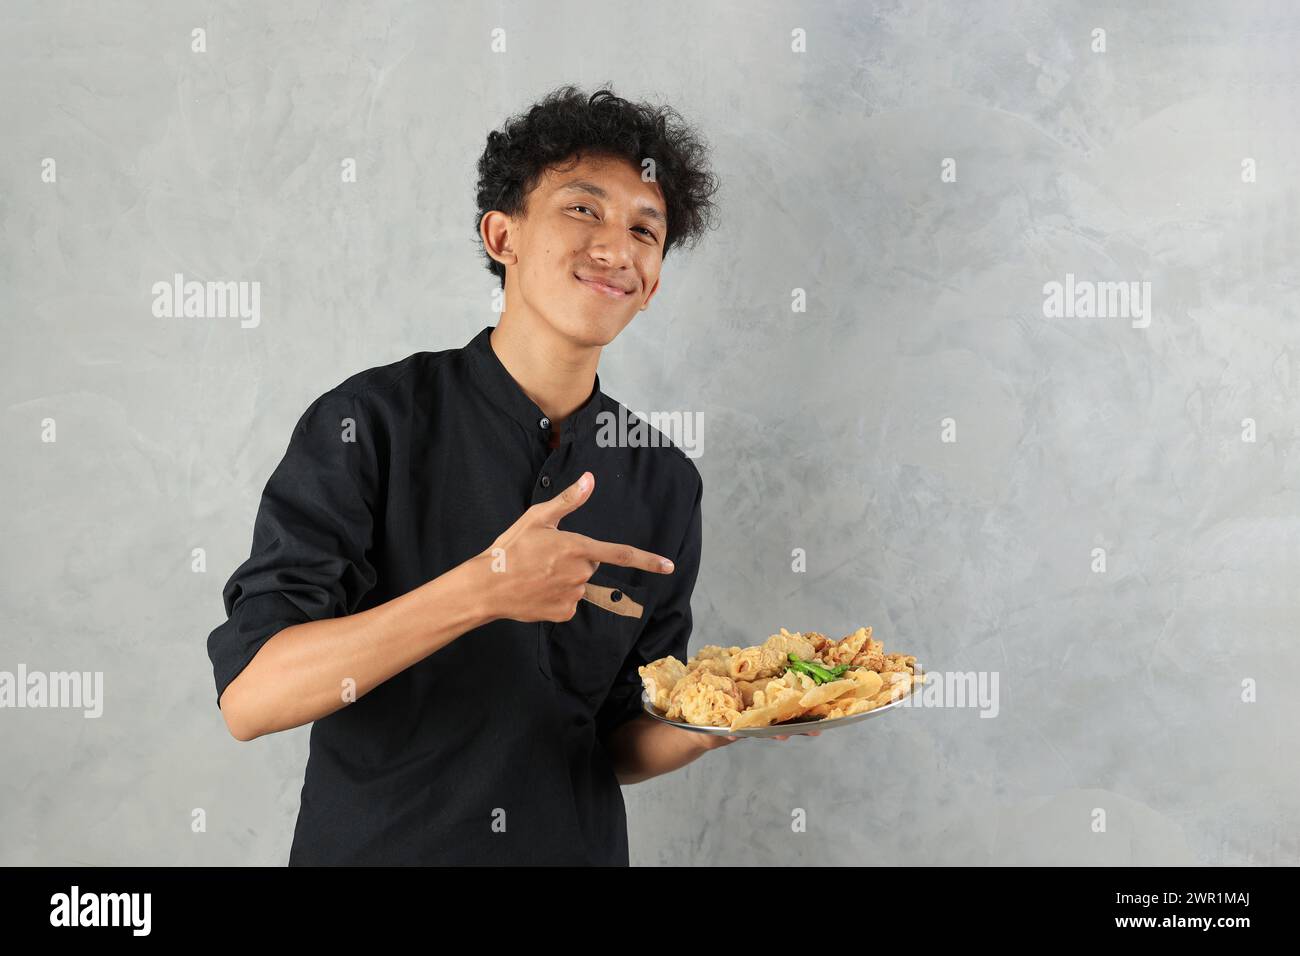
(587, 254)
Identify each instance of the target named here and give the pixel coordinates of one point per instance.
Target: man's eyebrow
(583, 186)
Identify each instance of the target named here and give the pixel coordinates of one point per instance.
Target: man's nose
(612, 244)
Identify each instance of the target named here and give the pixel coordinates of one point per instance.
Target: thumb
(567, 501)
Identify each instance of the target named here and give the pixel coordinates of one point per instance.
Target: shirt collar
(505, 392)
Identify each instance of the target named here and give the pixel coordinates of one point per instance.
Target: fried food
(846, 649)
(821, 643)
(866, 683)
(770, 658)
(843, 708)
(755, 686)
(705, 699)
(749, 687)
(896, 684)
(872, 655)
(709, 651)
(900, 663)
(713, 665)
(821, 693)
(778, 701)
(660, 677)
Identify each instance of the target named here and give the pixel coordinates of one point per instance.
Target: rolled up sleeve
(311, 537)
(668, 631)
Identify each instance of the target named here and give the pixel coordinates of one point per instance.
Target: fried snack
(712, 665)
(900, 663)
(778, 702)
(847, 648)
(778, 686)
(872, 655)
(834, 709)
(821, 693)
(821, 643)
(660, 677)
(771, 658)
(705, 699)
(748, 687)
(867, 683)
(711, 651)
(713, 660)
(896, 685)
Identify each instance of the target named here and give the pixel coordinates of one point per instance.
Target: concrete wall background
(1119, 690)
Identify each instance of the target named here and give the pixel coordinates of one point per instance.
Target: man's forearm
(300, 674)
(644, 747)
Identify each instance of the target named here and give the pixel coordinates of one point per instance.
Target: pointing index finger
(626, 556)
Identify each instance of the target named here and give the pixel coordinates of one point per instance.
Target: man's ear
(495, 229)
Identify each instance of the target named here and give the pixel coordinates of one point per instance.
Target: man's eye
(647, 231)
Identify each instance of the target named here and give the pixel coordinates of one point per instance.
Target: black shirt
(488, 751)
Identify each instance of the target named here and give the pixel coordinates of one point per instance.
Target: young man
(469, 668)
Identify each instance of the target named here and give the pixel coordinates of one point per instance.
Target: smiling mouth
(612, 291)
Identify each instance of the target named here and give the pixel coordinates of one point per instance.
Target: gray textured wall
(1119, 691)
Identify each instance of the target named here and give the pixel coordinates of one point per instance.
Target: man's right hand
(539, 573)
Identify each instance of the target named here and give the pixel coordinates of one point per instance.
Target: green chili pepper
(802, 668)
(799, 667)
(818, 673)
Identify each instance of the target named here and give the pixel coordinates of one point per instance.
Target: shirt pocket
(585, 654)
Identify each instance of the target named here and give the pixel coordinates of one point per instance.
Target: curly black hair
(567, 123)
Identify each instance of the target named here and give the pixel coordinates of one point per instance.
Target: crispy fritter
(821, 643)
(714, 651)
(777, 702)
(844, 707)
(705, 699)
(748, 688)
(711, 665)
(902, 663)
(660, 677)
(847, 648)
(771, 658)
(872, 656)
(896, 685)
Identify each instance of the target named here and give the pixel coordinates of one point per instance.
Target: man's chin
(593, 331)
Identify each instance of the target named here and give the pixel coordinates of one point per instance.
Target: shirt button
(616, 595)
(544, 423)
(546, 481)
